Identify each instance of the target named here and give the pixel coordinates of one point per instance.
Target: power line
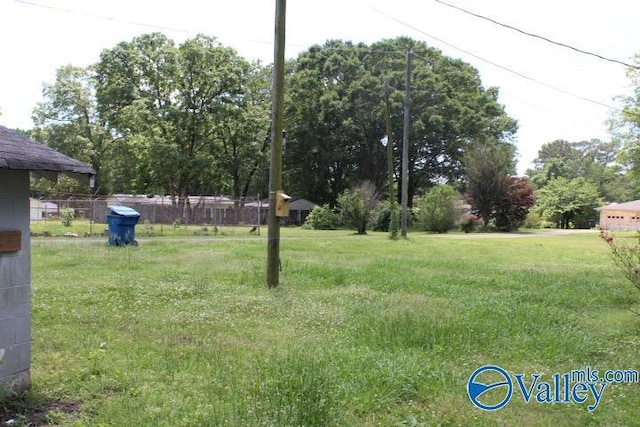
(538, 107)
(526, 33)
(372, 51)
(134, 23)
(106, 18)
(185, 31)
(502, 67)
(547, 110)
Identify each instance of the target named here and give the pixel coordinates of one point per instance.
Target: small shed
(620, 216)
(41, 210)
(299, 209)
(19, 156)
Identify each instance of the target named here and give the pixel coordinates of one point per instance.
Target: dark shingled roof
(21, 153)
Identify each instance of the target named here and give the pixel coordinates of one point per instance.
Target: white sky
(37, 40)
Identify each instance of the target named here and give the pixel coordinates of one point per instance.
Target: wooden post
(405, 147)
(392, 197)
(275, 167)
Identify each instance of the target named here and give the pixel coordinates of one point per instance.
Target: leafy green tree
(626, 125)
(593, 160)
(548, 171)
(487, 166)
(437, 209)
(333, 135)
(171, 104)
(558, 149)
(357, 205)
(244, 133)
(336, 116)
(68, 120)
(568, 203)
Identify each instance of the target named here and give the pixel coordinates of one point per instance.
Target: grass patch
(86, 228)
(362, 331)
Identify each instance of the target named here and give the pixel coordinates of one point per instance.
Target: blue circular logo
(494, 378)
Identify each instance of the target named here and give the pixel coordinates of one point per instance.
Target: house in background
(18, 157)
(41, 210)
(620, 216)
(299, 209)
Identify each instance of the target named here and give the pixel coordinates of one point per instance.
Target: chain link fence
(157, 211)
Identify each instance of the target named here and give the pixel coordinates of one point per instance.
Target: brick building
(620, 216)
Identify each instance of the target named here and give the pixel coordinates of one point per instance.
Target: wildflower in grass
(625, 255)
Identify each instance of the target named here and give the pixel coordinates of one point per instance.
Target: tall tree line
(573, 178)
(155, 117)
(335, 116)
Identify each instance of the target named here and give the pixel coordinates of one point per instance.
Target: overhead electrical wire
(547, 110)
(181, 30)
(106, 18)
(531, 104)
(185, 31)
(502, 92)
(502, 67)
(526, 33)
(129, 22)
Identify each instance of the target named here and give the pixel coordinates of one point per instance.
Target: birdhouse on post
(282, 204)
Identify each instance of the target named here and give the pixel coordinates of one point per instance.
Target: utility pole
(405, 146)
(275, 167)
(392, 197)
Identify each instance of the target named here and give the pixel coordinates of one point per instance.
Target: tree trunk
(265, 145)
(486, 218)
(183, 194)
(238, 200)
(362, 229)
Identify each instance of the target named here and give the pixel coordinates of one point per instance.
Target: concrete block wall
(15, 285)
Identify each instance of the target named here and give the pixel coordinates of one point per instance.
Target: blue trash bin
(122, 225)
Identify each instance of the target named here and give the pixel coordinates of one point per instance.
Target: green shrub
(148, 227)
(322, 218)
(382, 217)
(67, 216)
(357, 205)
(437, 209)
(533, 221)
(549, 224)
(385, 220)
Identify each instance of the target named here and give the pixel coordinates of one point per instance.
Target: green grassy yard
(363, 331)
(84, 228)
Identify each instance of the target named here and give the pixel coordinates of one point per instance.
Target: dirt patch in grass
(33, 411)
